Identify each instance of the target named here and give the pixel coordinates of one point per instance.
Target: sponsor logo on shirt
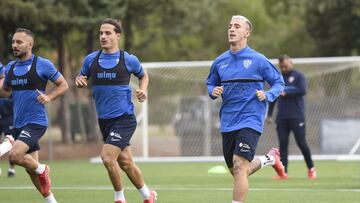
(106, 75)
(18, 81)
(301, 124)
(247, 63)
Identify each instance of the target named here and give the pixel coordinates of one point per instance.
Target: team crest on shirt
(291, 79)
(247, 63)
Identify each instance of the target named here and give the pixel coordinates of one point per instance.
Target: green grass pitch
(82, 182)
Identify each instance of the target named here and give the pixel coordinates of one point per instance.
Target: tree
(332, 24)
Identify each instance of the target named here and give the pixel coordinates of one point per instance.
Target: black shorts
(6, 126)
(241, 142)
(30, 134)
(118, 131)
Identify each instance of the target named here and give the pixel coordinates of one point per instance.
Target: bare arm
(143, 84)
(61, 87)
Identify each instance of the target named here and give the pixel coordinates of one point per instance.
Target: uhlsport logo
(247, 63)
(115, 136)
(25, 134)
(244, 147)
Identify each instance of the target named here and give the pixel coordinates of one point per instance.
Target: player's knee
(240, 167)
(108, 161)
(15, 157)
(126, 165)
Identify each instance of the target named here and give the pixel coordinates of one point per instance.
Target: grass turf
(80, 182)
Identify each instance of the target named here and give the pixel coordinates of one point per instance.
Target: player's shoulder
(92, 55)
(131, 58)
(8, 66)
(44, 61)
(257, 55)
(222, 57)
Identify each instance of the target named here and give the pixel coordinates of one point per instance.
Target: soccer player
(6, 124)
(291, 114)
(238, 76)
(25, 81)
(110, 70)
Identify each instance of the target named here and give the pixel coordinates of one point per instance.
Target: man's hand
(141, 95)
(81, 81)
(283, 94)
(42, 98)
(217, 91)
(260, 95)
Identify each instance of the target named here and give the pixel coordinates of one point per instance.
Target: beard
(19, 54)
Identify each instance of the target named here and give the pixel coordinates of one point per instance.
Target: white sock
(50, 199)
(11, 170)
(5, 147)
(40, 169)
(267, 160)
(236, 202)
(145, 192)
(119, 195)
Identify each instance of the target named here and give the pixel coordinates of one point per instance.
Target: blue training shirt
(26, 107)
(112, 100)
(292, 105)
(2, 69)
(6, 110)
(241, 74)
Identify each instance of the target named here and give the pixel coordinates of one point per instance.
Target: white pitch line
(102, 188)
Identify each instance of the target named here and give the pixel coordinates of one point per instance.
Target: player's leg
(26, 143)
(298, 127)
(240, 171)
(9, 136)
(11, 170)
(283, 132)
(109, 156)
(125, 127)
(6, 145)
(49, 197)
(133, 172)
(243, 144)
(8, 141)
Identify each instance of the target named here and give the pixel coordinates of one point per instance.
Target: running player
(110, 70)
(238, 76)
(25, 81)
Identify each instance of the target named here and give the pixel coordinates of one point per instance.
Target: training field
(82, 182)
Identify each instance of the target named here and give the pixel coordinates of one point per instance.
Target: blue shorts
(241, 142)
(118, 131)
(30, 134)
(6, 126)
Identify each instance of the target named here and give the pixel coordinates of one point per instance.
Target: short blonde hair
(243, 18)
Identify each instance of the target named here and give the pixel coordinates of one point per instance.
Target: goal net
(183, 121)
